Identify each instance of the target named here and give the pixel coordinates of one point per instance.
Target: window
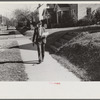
(72, 11)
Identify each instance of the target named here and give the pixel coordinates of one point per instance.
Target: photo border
(49, 90)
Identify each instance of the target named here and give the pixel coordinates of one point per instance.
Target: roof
(63, 5)
(50, 10)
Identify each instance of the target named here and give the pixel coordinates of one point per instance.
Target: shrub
(84, 22)
(97, 15)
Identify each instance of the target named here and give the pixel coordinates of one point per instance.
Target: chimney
(39, 5)
(88, 12)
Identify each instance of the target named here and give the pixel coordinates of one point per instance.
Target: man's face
(39, 24)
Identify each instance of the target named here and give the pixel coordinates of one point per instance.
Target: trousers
(41, 51)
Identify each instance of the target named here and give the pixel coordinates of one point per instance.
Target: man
(39, 40)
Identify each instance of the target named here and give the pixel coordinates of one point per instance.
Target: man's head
(38, 23)
(34, 24)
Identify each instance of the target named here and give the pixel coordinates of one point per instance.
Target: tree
(21, 14)
(87, 20)
(22, 18)
(13, 22)
(96, 15)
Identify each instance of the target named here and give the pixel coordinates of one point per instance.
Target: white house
(78, 10)
(39, 11)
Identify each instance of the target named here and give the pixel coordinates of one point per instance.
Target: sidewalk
(49, 70)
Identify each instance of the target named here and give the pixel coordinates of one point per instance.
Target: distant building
(55, 14)
(61, 15)
(64, 13)
(38, 12)
(49, 17)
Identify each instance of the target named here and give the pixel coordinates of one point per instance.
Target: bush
(97, 15)
(70, 21)
(84, 22)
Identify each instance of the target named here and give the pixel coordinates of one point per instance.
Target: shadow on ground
(24, 62)
(9, 32)
(26, 47)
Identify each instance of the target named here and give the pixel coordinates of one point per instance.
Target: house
(39, 11)
(65, 13)
(44, 12)
(59, 14)
(56, 14)
(49, 17)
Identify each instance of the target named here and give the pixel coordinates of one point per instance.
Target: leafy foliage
(84, 22)
(97, 15)
(23, 19)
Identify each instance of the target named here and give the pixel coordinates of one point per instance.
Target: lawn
(11, 64)
(82, 56)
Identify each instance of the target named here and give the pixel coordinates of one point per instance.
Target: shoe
(40, 61)
(33, 44)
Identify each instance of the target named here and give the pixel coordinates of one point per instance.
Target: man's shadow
(22, 62)
(28, 46)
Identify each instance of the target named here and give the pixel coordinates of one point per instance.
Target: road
(18, 61)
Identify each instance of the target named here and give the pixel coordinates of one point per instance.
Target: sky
(83, 7)
(6, 9)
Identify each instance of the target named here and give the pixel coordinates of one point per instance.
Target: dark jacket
(37, 37)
